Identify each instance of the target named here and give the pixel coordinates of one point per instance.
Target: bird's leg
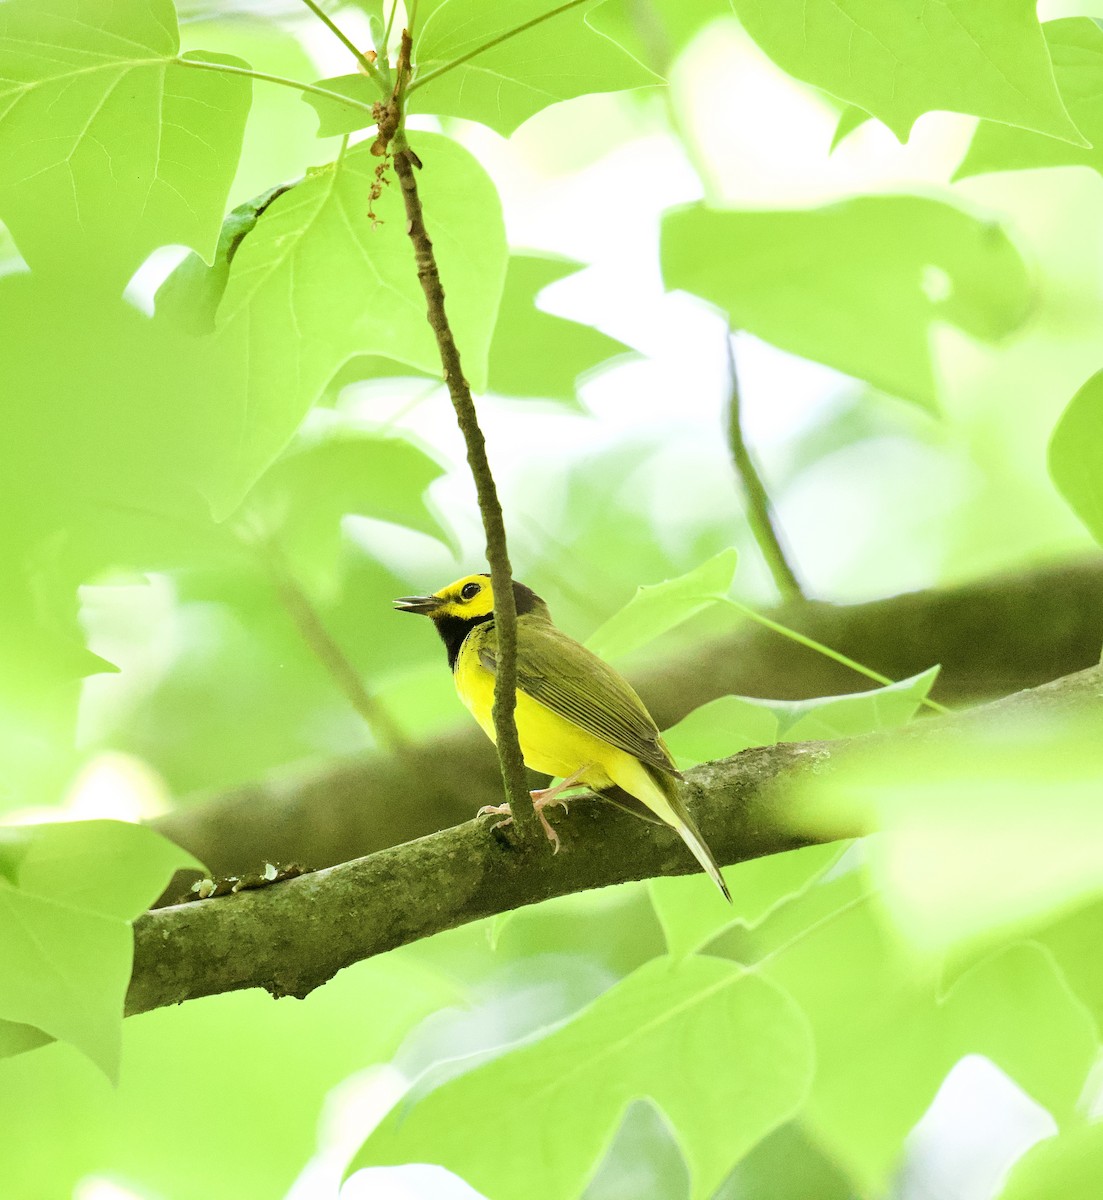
(553, 795)
(545, 796)
(541, 798)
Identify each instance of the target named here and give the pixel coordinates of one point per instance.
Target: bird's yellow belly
(550, 744)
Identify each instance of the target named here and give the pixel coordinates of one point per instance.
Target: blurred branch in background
(292, 937)
(992, 637)
(760, 512)
(309, 623)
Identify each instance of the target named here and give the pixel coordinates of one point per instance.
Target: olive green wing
(573, 682)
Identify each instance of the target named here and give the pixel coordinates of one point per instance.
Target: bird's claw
(504, 811)
(552, 836)
(496, 810)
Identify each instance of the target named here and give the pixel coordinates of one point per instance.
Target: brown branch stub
(391, 136)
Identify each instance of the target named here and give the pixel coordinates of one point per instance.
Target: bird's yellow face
(468, 599)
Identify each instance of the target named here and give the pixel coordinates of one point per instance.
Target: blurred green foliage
(200, 406)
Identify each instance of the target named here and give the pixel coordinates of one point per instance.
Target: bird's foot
(496, 810)
(542, 798)
(546, 797)
(539, 805)
(503, 810)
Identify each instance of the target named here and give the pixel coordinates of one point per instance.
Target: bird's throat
(453, 631)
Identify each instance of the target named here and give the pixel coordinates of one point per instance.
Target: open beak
(426, 605)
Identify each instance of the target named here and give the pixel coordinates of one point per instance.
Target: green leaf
(112, 868)
(141, 148)
(99, 473)
(758, 888)
(302, 497)
(885, 1039)
(65, 939)
(986, 833)
(533, 352)
(655, 32)
(785, 1166)
(281, 134)
(1076, 47)
(316, 282)
(871, 711)
(66, 972)
(983, 57)
(335, 118)
(1067, 1167)
(721, 728)
(1076, 455)
(14, 843)
(112, 426)
(852, 117)
(282, 1059)
(503, 86)
(1021, 983)
(657, 607)
(817, 282)
(1072, 940)
(18, 1039)
(723, 1054)
(729, 724)
(191, 294)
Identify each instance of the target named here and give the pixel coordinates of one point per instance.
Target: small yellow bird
(577, 719)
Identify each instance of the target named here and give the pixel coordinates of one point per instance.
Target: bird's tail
(679, 817)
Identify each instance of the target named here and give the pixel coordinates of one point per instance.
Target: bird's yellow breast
(550, 744)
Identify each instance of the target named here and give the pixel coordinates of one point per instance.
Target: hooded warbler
(577, 718)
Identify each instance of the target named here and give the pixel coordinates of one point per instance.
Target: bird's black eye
(470, 591)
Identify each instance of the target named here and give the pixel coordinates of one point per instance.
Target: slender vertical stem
(760, 513)
(310, 625)
(365, 62)
(497, 554)
(387, 31)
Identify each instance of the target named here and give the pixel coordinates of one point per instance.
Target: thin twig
(494, 41)
(369, 67)
(760, 512)
(390, 26)
(497, 555)
(383, 726)
(834, 655)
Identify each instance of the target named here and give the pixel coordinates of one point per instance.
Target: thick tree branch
(292, 937)
(497, 553)
(992, 636)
